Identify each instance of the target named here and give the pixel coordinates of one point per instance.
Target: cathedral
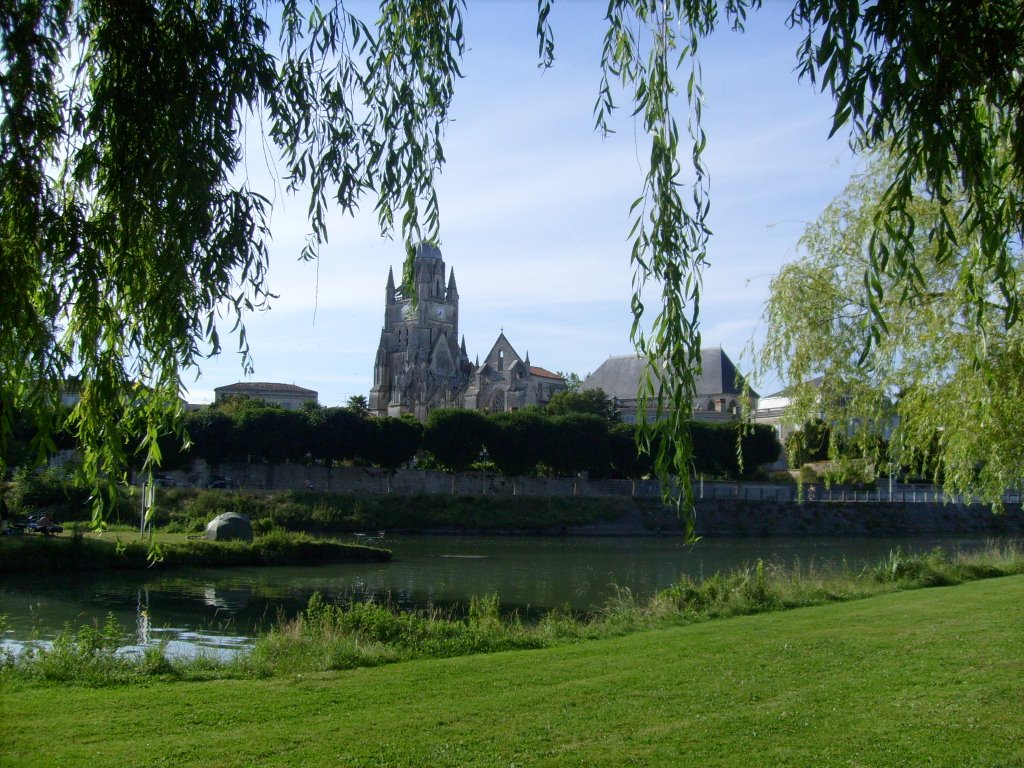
(422, 364)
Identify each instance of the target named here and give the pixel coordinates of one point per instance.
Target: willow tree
(946, 378)
(127, 227)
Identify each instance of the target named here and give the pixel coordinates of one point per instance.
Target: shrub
(933, 569)
(50, 487)
(808, 475)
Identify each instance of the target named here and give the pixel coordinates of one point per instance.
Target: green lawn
(927, 677)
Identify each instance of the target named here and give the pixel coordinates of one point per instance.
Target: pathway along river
(219, 611)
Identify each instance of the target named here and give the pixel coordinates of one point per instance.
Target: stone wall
(723, 509)
(770, 518)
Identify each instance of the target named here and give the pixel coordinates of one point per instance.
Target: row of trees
(577, 433)
(118, 268)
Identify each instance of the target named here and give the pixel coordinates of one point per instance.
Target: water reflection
(143, 627)
(219, 611)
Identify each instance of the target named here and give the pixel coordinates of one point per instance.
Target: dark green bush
(45, 488)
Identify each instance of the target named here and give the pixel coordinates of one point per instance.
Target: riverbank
(901, 679)
(767, 518)
(339, 632)
(321, 513)
(111, 551)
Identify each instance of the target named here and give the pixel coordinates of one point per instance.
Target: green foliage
(87, 656)
(759, 445)
(625, 458)
(516, 441)
(927, 570)
(572, 380)
(456, 437)
(577, 442)
(944, 387)
(332, 636)
(809, 443)
(359, 404)
(37, 554)
(51, 487)
(116, 269)
(808, 475)
(188, 511)
(358, 634)
(592, 401)
(241, 429)
(209, 433)
(955, 127)
(393, 442)
(338, 434)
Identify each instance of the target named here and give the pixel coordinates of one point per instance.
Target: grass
(329, 637)
(76, 550)
(188, 510)
(929, 677)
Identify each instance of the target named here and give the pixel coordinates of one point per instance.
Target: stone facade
(506, 382)
(287, 396)
(422, 363)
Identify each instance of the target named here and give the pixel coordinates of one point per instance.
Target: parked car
(218, 481)
(164, 480)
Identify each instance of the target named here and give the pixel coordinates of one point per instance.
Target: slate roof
(788, 391)
(243, 387)
(619, 375)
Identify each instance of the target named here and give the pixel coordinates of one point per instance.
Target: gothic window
(497, 402)
(501, 360)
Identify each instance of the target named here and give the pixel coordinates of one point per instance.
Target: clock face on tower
(442, 313)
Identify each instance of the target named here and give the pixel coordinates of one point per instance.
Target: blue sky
(535, 209)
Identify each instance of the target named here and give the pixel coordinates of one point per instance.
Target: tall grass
(327, 636)
(77, 553)
(186, 510)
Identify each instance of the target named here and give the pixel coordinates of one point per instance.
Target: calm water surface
(221, 610)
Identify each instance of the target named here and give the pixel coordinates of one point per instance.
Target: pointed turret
(389, 291)
(452, 294)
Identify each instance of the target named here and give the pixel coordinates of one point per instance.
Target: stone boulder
(230, 525)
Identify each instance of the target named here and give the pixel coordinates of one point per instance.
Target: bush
(808, 475)
(50, 487)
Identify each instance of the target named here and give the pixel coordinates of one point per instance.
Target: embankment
(737, 517)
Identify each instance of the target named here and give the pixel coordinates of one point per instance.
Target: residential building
(287, 396)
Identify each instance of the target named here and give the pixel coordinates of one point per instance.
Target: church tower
(420, 363)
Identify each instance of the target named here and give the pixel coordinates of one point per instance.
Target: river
(219, 611)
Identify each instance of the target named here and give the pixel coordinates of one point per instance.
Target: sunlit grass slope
(928, 677)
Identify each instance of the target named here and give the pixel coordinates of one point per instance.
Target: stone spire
(452, 294)
(389, 291)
